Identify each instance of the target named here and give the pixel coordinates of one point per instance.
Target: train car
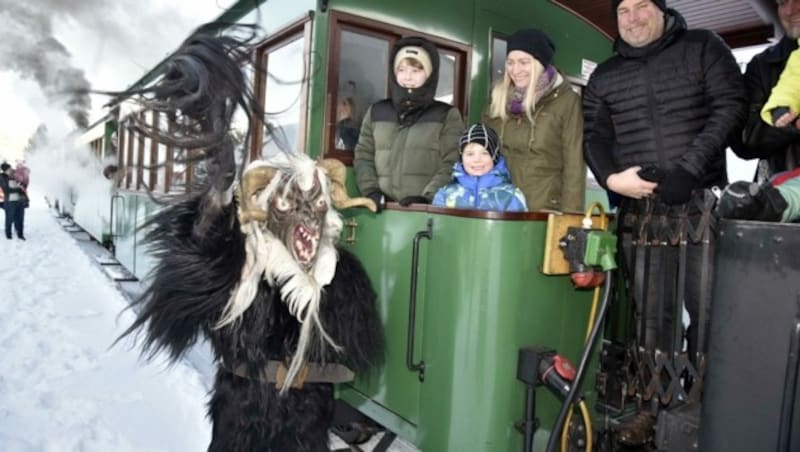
(472, 302)
(89, 203)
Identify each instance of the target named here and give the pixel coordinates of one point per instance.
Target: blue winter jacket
(492, 191)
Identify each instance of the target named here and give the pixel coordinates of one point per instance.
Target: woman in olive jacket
(540, 122)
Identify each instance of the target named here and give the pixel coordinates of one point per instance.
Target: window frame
(301, 29)
(340, 21)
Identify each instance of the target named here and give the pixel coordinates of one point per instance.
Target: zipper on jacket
(477, 193)
(651, 99)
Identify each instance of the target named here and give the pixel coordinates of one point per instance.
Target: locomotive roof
(740, 22)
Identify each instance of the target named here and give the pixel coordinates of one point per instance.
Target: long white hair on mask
(267, 258)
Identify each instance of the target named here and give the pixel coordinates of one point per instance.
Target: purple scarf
(543, 86)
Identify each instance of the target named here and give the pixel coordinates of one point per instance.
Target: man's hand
(787, 119)
(628, 183)
(677, 186)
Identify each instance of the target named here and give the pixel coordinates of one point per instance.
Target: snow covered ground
(64, 386)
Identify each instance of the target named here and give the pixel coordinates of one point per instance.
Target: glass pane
(284, 82)
(498, 59)
(161, 156)
(239, 127)
(138, 140)
(146, 161)
(445, 90)
(363, 72)
(179, 168)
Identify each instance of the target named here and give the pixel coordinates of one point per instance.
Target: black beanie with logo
(661, 4)
(533, 42)
(483, 135)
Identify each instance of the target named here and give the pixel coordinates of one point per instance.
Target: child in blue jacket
(481, 179)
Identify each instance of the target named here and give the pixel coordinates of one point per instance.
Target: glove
(777, 112)
(749, 201)
(651, 173)
(676, 186)
(408, 200)
(379, 199)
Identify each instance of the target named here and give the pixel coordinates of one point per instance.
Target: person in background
(657, 118)
(538, 117)
(784, 99)
(14, 202)
(408, 142)
(22, 174)
(481, 179)
(776, 145)
(346, 124)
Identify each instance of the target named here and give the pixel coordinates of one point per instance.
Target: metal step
(118, 273)
(106, 259)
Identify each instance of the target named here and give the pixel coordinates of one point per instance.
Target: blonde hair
(413, 62)
(498, 108)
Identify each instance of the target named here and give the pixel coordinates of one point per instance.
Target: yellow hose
(587, 421)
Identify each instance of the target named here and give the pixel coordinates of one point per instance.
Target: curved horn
(253, 180)
(337, 173)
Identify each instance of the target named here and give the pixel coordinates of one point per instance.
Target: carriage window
(445, 90)
(283, 95)
(363, 72)
(161, 156)
(498, 60)
(359, 77)
(146, 164)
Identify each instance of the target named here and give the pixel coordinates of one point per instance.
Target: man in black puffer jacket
(657, 116)
(778, 148)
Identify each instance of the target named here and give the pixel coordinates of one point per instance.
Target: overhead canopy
(740, 22)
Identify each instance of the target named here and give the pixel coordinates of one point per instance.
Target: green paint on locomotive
(480, 298)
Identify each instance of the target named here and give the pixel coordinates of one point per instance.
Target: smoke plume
(28, 48)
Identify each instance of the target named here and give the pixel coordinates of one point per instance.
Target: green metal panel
(482, 298)
(386, 241)
(451, 19)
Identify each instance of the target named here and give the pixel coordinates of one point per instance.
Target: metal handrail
(412, 302)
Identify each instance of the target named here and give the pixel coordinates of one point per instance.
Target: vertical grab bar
(111, 222)
(412, 302)
(790, 385)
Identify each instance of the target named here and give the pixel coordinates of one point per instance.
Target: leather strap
(275, 372)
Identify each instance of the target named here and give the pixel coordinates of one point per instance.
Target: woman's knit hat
(417, 54)
(661, 4)
(533, 42)
(483, 135)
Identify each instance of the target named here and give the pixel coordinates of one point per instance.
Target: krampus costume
(256, 272)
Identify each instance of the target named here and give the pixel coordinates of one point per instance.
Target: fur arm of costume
(349, 314)
(193, 277)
